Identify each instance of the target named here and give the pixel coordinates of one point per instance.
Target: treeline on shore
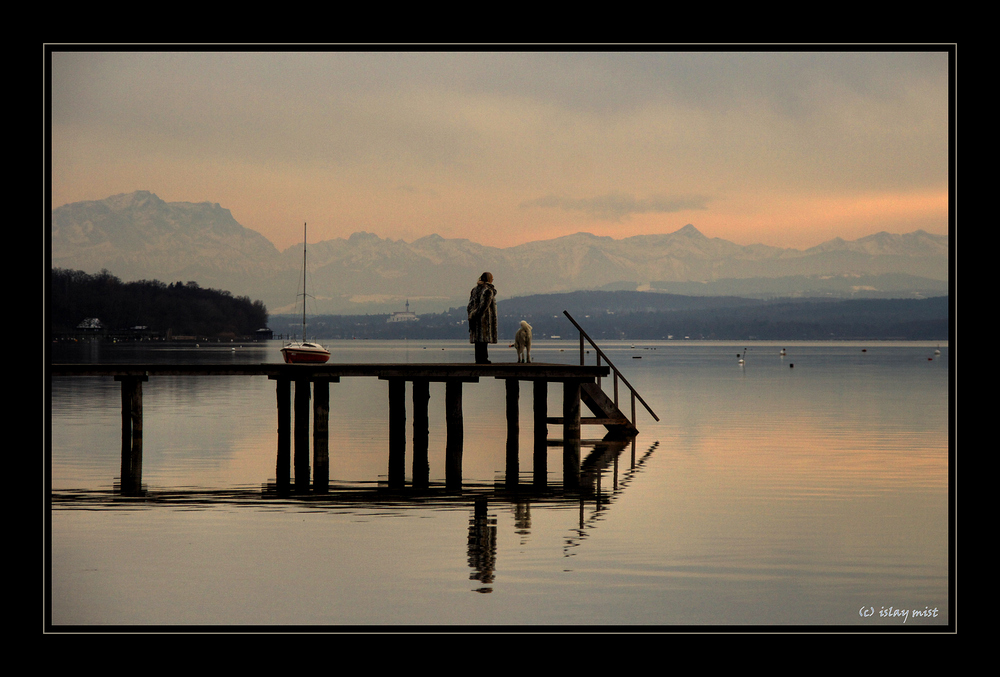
(656, 316)
(80, 303)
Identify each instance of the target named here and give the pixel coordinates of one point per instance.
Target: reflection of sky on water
(775, 494)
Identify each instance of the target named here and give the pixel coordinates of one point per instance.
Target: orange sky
(787, 149)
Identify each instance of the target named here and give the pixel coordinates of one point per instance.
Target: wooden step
(598, 401)
(603, 407)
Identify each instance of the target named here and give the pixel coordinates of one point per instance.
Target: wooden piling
(540, 407)
(455, 428)
(131, 447)
(302, 397)
(421, 429)
(512, 468)
(321, 436)
(397, 432)
(283, 464)
(571, 434)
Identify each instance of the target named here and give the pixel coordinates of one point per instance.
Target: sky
(784, 148)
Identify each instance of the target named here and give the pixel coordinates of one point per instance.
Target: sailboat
(304, 352)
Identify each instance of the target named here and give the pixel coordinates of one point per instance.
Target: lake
(809, 489)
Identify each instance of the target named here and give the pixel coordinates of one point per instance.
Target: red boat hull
(305, 354)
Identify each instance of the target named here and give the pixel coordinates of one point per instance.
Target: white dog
(522, 342)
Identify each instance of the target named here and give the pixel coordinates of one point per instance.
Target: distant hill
(644, 316)
(139, 236)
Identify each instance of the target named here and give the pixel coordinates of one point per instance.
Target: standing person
(483, 316)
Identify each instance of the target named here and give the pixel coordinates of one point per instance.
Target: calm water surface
(802, 489)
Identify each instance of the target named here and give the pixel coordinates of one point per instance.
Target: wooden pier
(311, 393)
(581, 384)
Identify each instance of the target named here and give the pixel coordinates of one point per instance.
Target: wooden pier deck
(430, 370)
(312, 382)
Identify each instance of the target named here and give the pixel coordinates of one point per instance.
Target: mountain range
(139, 236)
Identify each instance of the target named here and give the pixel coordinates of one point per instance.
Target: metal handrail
(618, 374)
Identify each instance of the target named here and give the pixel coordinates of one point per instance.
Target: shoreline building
(405, 316)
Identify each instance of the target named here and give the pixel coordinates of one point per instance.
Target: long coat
(483, 313)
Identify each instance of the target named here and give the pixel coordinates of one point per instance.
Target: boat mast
(304, 281)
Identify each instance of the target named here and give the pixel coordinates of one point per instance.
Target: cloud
(618, 206)
(417, 142)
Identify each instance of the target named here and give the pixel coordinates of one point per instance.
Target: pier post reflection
(482, 546)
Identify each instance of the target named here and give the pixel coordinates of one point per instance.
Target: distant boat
(304, 352)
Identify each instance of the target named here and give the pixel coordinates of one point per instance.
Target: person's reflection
(482, 547)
